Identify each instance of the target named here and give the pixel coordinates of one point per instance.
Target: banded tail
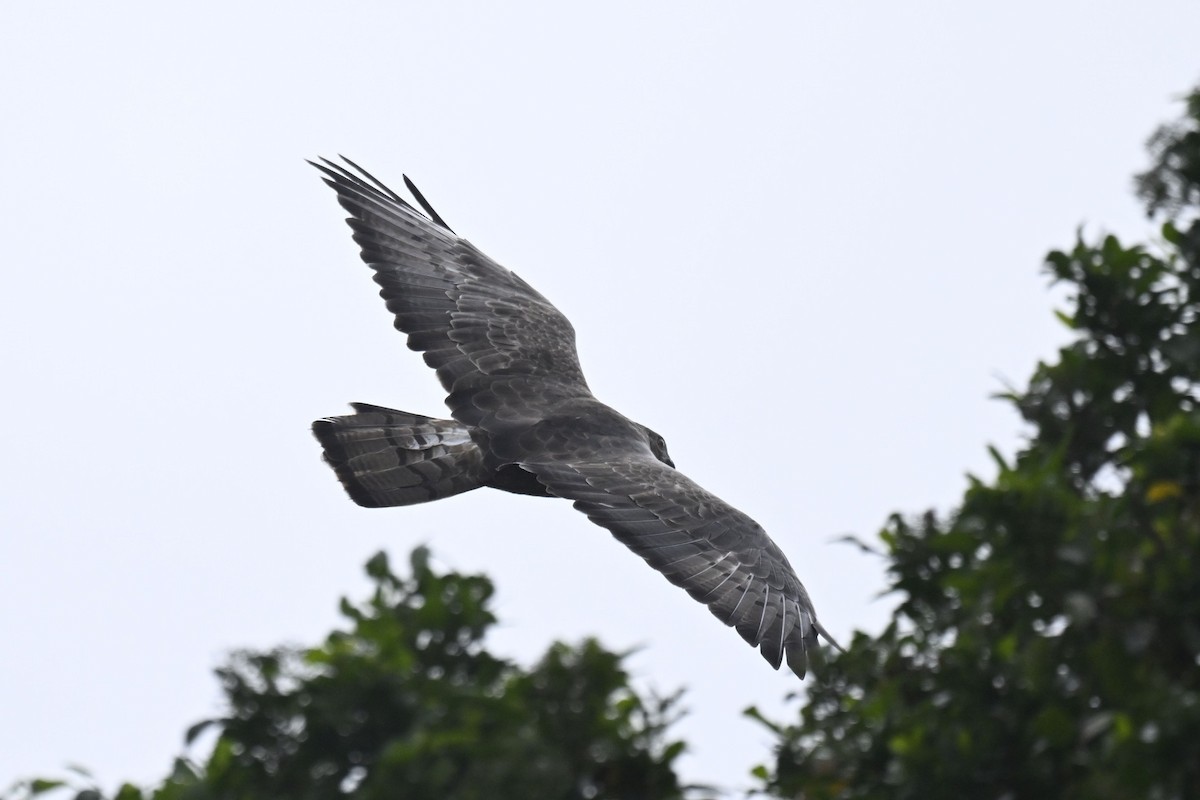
(385, 457)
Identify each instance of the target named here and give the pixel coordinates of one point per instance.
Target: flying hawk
(526, 422)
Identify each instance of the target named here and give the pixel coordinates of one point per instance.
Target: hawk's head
(658, 446)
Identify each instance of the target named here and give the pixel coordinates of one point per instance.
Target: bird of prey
(525, 421)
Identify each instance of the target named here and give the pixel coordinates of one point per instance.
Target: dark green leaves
(1045, 642)
(406, 701)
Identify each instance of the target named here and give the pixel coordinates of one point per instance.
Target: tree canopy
(408, 702)
(1046, 642)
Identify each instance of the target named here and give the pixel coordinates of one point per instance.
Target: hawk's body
(525, 422)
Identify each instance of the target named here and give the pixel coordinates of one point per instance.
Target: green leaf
(128, 792)
(198, 728)
(377, 566)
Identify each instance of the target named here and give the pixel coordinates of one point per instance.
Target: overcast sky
(802, 241)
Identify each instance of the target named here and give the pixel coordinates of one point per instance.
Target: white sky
(829, 218)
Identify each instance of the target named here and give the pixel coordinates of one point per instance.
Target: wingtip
(825, 634)
(797, 650)
(352, 174)
(323, 163)
(420, 198)
(797, 658)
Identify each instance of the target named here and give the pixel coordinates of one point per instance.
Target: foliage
(408, 703)
(1172, 184)
(1047, 639)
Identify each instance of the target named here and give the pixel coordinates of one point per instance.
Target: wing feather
(489, 335)
(720, 556)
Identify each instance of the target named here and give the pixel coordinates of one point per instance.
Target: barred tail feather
(385, 457)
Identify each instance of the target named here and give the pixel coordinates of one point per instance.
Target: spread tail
(385, 457)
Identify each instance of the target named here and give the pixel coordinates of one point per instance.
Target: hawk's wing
(719, 555)
(500, 349)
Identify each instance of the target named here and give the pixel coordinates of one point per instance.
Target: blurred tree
(408, 703)
(1047, 639)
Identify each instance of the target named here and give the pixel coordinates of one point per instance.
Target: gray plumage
(526, 422)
